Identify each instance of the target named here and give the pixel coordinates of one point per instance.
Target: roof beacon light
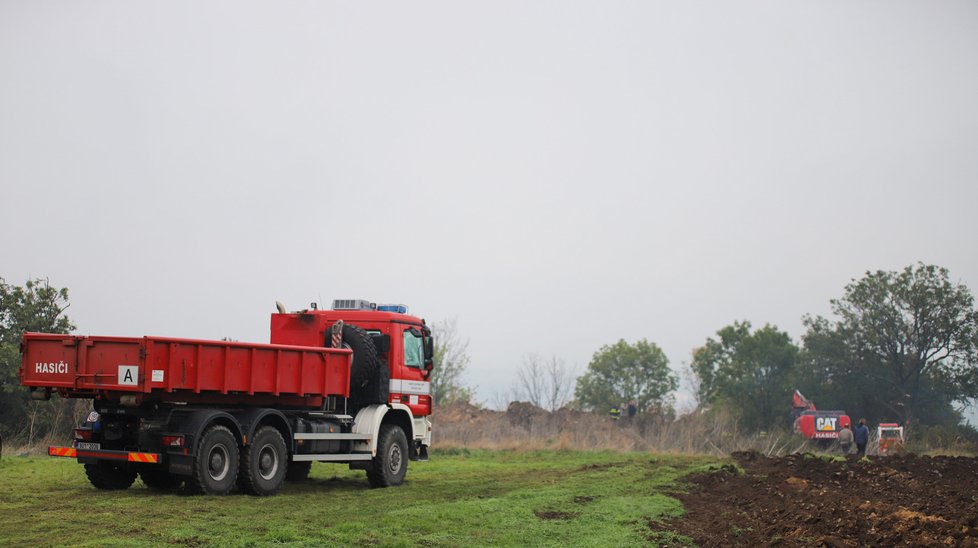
(353, 304)
(398, 308)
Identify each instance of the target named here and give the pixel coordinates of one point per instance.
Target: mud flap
(420, 452)
(180, 465)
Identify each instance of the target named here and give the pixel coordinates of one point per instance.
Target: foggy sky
(555, 175)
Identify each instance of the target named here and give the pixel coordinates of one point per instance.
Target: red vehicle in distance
(813, 424)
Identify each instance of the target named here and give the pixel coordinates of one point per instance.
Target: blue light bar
(398, 308)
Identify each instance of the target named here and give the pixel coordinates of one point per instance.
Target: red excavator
(814, 424)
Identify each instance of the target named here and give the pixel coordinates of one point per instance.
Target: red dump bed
(184, 370)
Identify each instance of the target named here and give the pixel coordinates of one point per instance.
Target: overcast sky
(555, 175)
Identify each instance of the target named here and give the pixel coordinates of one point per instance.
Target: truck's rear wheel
(160, 480)
(215, 467)
(390, 465)
(298, 471)
(264, 463)
(110, 476)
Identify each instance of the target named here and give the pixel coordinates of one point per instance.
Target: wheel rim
(394, 459)
(267, 461)
(218, 463)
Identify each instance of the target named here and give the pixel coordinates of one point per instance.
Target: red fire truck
(348, 385)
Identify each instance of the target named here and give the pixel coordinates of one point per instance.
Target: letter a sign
(128, 374)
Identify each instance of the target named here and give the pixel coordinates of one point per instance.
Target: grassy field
(460, 498)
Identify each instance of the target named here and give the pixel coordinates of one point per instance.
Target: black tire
(160, 480)
(264, 463)
(298, 471)
(215, 467)
(390, 465)
(110, 476)
(369, 377)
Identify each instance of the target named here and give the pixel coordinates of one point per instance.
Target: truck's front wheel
(264, 462)
(215, 468)
(110, 476)
(390, 464)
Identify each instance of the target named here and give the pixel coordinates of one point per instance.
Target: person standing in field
(615, 412)
(861, 437)
(632, 409)
(845, 439)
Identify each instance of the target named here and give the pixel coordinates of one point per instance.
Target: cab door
(409, 374)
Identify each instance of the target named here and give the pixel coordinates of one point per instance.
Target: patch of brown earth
(804, 500)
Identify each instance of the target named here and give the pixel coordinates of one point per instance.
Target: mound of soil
(807, 500)
(461, 412)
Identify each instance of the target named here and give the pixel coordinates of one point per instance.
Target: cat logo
(826, 424)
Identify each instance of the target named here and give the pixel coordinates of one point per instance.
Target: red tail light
(83, 434)
(173, 441)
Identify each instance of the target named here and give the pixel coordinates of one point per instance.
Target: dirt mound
(460, 412)
(522, 414)
(808, 500)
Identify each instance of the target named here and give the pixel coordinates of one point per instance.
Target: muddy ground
(806, 500)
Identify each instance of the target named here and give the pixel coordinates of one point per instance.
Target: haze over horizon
(556, 176)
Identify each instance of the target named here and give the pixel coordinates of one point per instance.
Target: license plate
(88, 445)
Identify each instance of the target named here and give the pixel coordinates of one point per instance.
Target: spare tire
(369, 376)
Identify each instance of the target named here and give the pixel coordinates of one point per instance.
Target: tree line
(902, 346)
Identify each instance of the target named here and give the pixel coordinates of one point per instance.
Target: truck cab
(403, 343)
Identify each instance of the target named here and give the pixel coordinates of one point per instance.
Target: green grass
(464, 498)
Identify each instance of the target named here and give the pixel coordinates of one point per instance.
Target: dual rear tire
(264, 463)
(215, 468)
(110, 476)
(220, 465)
(160, 480)
(258, 468)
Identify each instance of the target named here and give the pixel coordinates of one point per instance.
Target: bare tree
(560, 383)
(530, 380)
(451, 358)
(546, 383)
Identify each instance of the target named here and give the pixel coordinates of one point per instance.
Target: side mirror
(429, 351)
(429, 354)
